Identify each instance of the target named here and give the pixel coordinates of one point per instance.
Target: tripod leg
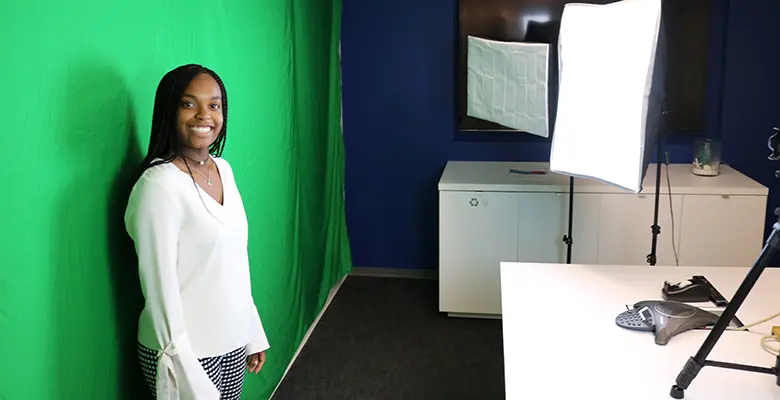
(696, 363)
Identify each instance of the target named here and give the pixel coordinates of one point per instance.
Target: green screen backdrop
(78, 82)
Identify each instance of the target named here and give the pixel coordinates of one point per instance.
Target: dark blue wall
(400, 116)
(751, 91)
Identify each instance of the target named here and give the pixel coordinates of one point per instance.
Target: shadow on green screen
(96, 292)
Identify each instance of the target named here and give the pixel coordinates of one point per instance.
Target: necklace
(208, 177)
(208, 170)
(199, 162)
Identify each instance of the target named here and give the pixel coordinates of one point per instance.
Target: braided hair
(164, 143)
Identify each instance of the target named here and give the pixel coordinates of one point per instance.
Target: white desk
(561, 340)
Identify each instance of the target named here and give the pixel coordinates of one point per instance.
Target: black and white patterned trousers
(226, 371)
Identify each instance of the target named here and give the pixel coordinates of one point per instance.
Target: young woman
(199, 329)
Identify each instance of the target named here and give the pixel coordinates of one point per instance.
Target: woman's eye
(186, 104)
(215, 106)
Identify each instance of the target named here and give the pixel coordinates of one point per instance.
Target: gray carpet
(383, 338)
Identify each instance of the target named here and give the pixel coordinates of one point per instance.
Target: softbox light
(508, 84)
(611, 88)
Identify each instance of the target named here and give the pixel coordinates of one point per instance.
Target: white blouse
(194, 271)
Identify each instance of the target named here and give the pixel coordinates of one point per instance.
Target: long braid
(218, 146)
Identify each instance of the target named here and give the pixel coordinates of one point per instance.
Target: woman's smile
(201, 130)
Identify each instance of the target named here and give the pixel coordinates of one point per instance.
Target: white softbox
(611, 88)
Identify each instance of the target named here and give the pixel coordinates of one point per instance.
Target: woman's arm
(259, 342)
(153, 221)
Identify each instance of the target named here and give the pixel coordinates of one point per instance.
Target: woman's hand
(256, 362)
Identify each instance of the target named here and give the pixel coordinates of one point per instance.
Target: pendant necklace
(208, 170)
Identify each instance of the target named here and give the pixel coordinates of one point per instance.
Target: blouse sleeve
(153, 221)
(259, 342)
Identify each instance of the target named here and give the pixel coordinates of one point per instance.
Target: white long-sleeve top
(194, 271)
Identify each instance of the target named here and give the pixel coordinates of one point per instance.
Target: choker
(198, 161)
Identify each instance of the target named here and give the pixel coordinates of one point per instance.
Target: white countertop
(561, 340)
(496, 176)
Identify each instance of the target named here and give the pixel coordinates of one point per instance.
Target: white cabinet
(488, 215)
(487, 225)
(541, 223)
(585, 227)
(625, 234)
(722, 230)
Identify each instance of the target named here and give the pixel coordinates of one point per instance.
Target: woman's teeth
(200, 129)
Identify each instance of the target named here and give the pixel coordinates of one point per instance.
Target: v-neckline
(202, 191)
(221, 183)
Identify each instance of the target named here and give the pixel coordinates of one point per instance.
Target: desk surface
(561, 340)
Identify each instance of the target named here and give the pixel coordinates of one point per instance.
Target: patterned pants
(226, 371)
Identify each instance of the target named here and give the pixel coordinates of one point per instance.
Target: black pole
(696, 363)
(699, 361)
(660, 133)
(652, 258)
(567, 238)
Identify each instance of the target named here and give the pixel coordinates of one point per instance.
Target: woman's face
(200, 113)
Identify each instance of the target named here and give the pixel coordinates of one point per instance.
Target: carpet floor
(383, 338)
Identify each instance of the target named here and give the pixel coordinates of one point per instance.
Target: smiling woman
(200, 322)
(200, 113)
(200, 124)
(69, 279)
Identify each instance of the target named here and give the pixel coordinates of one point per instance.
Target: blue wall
(400, 116)
(751, 92)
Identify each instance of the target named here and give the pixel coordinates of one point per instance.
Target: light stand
(655, 229)
(697, 362)
(567, 238)
(660, 135)
(582, 106)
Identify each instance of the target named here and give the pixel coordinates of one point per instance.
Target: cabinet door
(625, 235)
(722, 230)
(477, 231)
(585, 227)
(542, 223)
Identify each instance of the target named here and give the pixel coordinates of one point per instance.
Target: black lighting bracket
(699, 361)
(567, 238)
(655, 229)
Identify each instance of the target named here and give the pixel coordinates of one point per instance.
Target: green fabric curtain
(77, 94)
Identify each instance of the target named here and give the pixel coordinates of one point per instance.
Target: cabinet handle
(725, 196)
